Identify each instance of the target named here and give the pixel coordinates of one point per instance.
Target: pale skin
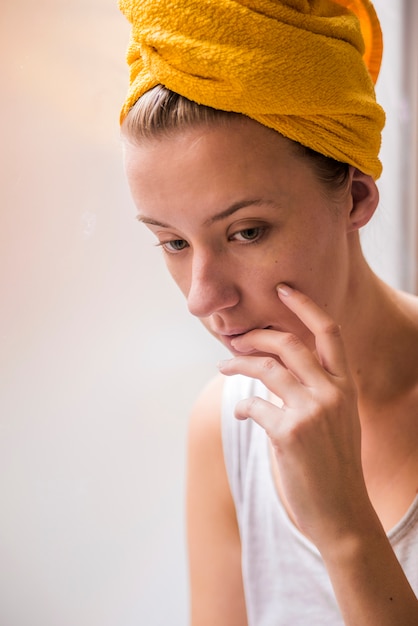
(270, 261)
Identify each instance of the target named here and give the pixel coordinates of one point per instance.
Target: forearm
(369, 583)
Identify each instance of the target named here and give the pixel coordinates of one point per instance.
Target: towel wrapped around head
(305, 68)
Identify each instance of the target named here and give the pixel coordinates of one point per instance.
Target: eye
(175, 245)
(248, 235)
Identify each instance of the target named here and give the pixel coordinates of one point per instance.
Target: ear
(365, 198)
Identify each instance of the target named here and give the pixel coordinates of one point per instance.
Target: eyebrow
(215, 218)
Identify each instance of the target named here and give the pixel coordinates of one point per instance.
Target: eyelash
(164, 245)
(260, 232)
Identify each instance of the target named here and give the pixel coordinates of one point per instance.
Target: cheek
(310, 265)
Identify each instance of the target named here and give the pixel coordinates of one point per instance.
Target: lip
(231, 334)
(227, 338)
(234, 333)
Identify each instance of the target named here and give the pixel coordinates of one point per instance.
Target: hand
(316, 433)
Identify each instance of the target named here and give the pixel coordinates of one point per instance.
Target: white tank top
(285, 580)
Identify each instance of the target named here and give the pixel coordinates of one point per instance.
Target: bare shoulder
(205, 419)
(213, 538)
(409, 303)
(206, 465)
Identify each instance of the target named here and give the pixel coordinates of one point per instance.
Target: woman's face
(237, 211)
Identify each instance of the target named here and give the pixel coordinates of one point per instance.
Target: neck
(380, 334)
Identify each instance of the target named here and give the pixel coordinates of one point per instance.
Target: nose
(212, 287)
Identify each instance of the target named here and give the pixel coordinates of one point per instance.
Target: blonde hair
(160, 112)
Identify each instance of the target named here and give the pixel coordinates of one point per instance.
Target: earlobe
(365, 198)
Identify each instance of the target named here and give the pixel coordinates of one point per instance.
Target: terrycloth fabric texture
(295, 66)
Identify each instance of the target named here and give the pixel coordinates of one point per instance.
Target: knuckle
(332, 328)
(247, 407)
(290, 340)
(332, 400)
(294, 435)
(303, 298)
(269, 363)
(339, 397)
(252, 404)
(337, 401)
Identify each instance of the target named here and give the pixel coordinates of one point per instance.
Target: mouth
(228, 338)
(239, 333)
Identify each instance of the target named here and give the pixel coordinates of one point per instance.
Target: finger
(279, 380)
(265, 414)
(327, 333)
(289, 349)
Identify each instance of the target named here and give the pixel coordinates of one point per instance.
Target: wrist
(356, 535)
(368, 581)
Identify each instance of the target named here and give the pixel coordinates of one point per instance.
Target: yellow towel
(294, 65)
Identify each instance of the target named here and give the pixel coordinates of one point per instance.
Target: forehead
(238, 137)
(220, 160)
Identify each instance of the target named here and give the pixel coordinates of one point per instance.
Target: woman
(255, 166)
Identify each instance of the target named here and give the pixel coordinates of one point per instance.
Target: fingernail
(283, 290)
(221, 364)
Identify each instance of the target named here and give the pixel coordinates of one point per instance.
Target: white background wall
(384, 238)
(99, 360)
